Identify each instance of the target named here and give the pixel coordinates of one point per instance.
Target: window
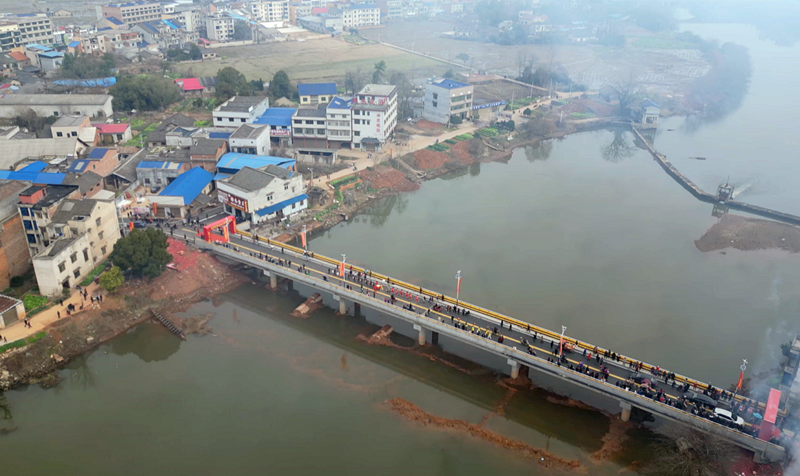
(269, 197)
(309, 122)
(62, 266)
(73, 257)
(74, 133)
(356, 133)
(147, 181)
(97, 222)
(103, 250)
(31, 239)
(76, 273)
(435, 104)
(100, 236)
(293, 206)
(230, 119)
(59, 134)
(320, 122)
(86, 254)
(244, 120)
(25, 211)
(357, 121)
(28, 224)
(321, 131)
(286, 186)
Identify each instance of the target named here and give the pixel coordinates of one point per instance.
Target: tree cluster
(143, 252)
(112, 279)
(242, 31)
(87, 67)
(37, 124)
(280, 86)
(230, 82)
(143, 93)
(193, 53)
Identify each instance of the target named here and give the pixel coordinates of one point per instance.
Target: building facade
(240, 110)
(374, 112)
(266, 193)
(219, 27)
(339, 123)
(95, 105)
(445, 98)
(274, 11)
(361, 15)
(132, 12)
(309, 127)
(250, 139)
(316, 93)
(33, 28)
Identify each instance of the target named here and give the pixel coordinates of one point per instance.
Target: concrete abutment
(421, 336)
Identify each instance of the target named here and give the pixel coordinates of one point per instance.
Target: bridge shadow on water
(531, 407)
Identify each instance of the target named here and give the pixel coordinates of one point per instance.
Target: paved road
(540, 342)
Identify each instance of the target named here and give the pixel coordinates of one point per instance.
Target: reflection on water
(538, 151)
(620, 147)
(160, 343)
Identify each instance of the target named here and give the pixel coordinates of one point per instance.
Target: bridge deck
(475, 328)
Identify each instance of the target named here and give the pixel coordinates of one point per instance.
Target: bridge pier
(435, 338)
(273, 279)
(342, 307)
(626, 411)
(421, 337)
(514, 368)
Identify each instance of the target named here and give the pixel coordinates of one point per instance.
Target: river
(585, 232)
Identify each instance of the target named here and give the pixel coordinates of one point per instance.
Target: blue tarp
(88, 83)
(219, 135)
(39, 178)
(188, 184)
(37, 166)
(280, 206)
(233, 162)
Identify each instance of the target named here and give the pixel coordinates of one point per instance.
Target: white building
(360, 15)
(340, 123)
(33, 28)
(309, 128)
(445, 98)
(239, 110)
(374, 112)
(94, 105)
(262, 194)
(274, 11)
(219, 27)
(250, 139)
(83, 234)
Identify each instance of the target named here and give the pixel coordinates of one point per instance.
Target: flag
(458, 277)
(303, 237)
(341, 269)
(741, 378)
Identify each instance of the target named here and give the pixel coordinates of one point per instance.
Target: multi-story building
(308, 127)
(445, 98)
(270, 11)
(316, 93)
(190, 16)
(15, 260)
(240, 110)
(250, 139)
(165, 33)
(262, 194)
(82, 233)
(374, 111)
(132, 12)
(10, 36)
(219, 27)
(33, 28)
(391, 9)
(339, 123)
(37, 205)
(361, 15)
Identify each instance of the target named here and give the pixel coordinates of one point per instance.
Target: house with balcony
(446, 98)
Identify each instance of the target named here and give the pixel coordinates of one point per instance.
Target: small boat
(698, 158)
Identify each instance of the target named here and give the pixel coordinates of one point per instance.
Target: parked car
(139, 224)
(727, 418)
(643, 379)
(700, 400)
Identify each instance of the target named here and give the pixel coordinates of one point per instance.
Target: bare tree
(627, 90)
(355, 80)
(686, 452)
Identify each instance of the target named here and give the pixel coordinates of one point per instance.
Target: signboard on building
(279, 132)
(233, 201)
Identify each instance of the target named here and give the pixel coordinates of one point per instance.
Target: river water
(586, 232)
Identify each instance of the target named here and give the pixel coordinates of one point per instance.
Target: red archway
(228, 225)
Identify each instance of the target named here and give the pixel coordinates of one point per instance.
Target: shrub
(450, 141)
(111, 279)
(456, 120)
(33, 301)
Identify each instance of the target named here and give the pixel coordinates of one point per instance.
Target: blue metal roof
(51, 54)
(39, 178)
(340, 103)
(73, 44)
(79, 166)
(221, 176)
(37, 46)
(281, 205)
(115, 20)
(189, 184)
(450, 84)
(97, 153)
(219, 135)
(316, 89)
(37, 166)
(276, 116)
(232, 162)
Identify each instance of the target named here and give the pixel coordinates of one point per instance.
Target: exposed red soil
(612, 441)
(414, 414)
(387, 177)
(428, 125)
(460, 152)
(429, 159)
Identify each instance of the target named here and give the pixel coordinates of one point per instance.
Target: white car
(726, 417)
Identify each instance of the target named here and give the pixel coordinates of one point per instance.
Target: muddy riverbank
(198, 276)
(749, 234)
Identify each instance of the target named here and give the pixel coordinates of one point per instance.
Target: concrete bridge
(479, 329)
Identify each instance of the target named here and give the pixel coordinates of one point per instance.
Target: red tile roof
(112, 128)
(189, 84)
(19, 56)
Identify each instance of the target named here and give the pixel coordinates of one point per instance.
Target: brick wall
(15, 259)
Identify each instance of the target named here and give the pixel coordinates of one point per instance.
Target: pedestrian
(58, 314)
